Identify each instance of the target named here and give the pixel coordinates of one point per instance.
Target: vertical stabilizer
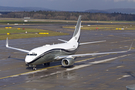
(76, 34)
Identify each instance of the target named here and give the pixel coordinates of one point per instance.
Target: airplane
(64, 51)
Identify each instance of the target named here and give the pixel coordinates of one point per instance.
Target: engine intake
(67, 62)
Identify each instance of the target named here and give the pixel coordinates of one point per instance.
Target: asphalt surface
(102, 72)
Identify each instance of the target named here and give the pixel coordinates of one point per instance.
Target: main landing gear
(34, 66)
(46, 64)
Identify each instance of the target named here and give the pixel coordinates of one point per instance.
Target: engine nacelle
(67, 62)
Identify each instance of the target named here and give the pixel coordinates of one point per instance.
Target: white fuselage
(47, 53)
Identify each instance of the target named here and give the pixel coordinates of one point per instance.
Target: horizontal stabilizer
(92, 42)
(62, 40)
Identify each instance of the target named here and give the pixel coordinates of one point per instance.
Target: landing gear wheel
(46, 64)
(34, 67)
(29, 65)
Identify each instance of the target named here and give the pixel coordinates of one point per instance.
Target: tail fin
(76, 34)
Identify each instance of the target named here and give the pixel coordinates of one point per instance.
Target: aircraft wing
(88, 54)
(22, 50)
(91, 54)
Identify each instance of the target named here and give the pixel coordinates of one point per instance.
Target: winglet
(131, 46)
(7, 42)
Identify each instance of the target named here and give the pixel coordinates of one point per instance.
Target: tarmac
(102, 72)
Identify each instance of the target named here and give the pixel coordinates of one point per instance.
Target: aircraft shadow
(16, 58)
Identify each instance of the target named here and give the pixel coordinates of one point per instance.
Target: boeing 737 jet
(64, 51)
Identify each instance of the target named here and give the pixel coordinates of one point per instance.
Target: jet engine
(67, 62)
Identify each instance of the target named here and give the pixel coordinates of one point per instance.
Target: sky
(71, 5)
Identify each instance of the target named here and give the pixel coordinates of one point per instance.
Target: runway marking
(126, 40)
(124, 76)
(122, 41)
(121, 37)
(76, 67)
(31, 72)
(119, 66)
(79, 66)
(90, 58)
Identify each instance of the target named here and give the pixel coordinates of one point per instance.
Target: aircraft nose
(28, 59)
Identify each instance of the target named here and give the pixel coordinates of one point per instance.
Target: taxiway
(102, 72)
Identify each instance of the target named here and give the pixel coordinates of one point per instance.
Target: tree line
(62, 15)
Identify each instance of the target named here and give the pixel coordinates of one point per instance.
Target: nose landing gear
(34, 66)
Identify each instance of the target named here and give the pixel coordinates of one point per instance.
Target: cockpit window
(32, 54)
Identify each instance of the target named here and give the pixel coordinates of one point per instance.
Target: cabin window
(33, 54)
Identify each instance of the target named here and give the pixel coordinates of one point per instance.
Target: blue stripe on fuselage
(50, 52)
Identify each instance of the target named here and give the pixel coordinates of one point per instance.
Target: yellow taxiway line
(26, 73)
